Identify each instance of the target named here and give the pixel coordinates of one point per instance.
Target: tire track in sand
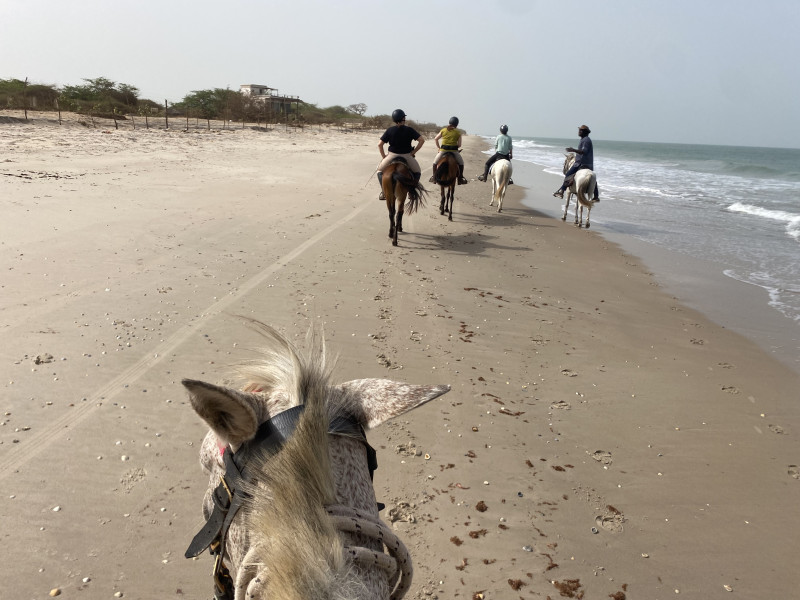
(20, 454)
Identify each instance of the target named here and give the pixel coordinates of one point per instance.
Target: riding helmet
(398, 115)
(504, 129)
(454, 121)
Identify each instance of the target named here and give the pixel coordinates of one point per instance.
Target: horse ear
(230, 414)
(379, 400)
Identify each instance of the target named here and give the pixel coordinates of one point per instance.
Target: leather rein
(230, 494)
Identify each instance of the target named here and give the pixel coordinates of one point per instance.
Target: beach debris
(794, 471)
(481, 506)
(645, 555)
(727, 588)
(569, 373)
(528, 548)
(474, 428)
(427, 456)
(55, 592)
(595, 530)
(561, 404)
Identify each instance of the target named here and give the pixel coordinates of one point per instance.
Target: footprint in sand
(563, 404)
(776, 429)
(612, 523)
(731, 389)
(602, 456)
(794, 471)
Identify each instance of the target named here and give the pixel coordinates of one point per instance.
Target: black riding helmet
(504, 129)
(454, 121)
(398, 115)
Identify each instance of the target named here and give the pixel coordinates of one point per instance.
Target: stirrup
(558, 194)
(481, 177)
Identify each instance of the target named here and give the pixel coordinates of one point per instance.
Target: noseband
(230, 494)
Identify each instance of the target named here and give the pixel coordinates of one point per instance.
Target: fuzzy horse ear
(230, 414)
(379, 400)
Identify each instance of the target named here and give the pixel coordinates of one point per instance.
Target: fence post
(58, 108)
(166, 116)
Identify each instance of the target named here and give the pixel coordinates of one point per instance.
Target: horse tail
(416, 193)
(291, 530)
(502, 176)
(442, 171)
(585, 186)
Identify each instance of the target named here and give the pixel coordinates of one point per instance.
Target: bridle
(231, 493)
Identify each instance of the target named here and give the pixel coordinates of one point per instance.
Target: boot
(380, 181)
(461, 179)
(484, 176)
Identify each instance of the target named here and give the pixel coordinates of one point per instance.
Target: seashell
(427, 456)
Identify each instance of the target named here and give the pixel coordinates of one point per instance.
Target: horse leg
(442, 204)
(390, 204)
(566, 206)
(451, 195)
(399, 227)
(494, 191)
(500, 198)
(588, 214)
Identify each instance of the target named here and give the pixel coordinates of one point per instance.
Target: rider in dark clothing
(584, 159)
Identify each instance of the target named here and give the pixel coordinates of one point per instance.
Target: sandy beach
(601, 439)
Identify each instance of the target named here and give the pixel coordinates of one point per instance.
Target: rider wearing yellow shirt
(450, 138)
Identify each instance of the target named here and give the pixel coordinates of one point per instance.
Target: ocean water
(737, 207)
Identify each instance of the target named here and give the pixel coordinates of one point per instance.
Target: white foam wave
(792, 220)
(775, 291)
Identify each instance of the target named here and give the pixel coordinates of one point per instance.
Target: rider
(584, 159)
(399, 137)
(503, 149)
(451, 142)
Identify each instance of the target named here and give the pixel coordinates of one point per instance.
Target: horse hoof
(563, 218)
(394, 242)
(587, 226)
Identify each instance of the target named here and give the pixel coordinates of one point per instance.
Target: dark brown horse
(402, 190)
(447, 176)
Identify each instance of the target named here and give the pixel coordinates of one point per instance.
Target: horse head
(569, 160)
(290, 508)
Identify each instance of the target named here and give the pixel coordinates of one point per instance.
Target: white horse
(582, 186)
(290, 508)
(501, 175)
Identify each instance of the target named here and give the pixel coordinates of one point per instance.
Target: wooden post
(24, 98)
(133, 122)
(187, 120)
(58, 108)
(146, 122)
(166, 116)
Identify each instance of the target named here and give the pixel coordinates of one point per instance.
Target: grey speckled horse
(291, 512)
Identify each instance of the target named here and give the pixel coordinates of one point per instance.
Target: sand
(600, 440)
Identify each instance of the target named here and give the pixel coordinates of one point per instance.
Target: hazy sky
(693, 71)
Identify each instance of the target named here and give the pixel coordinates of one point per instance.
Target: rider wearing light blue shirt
(503, 149)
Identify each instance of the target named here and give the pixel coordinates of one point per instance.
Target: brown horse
(399, 184)
(291, 512)
(447, 176)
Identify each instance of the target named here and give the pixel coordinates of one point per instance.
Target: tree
(358, 109)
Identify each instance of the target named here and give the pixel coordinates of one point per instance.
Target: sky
(721, 72)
